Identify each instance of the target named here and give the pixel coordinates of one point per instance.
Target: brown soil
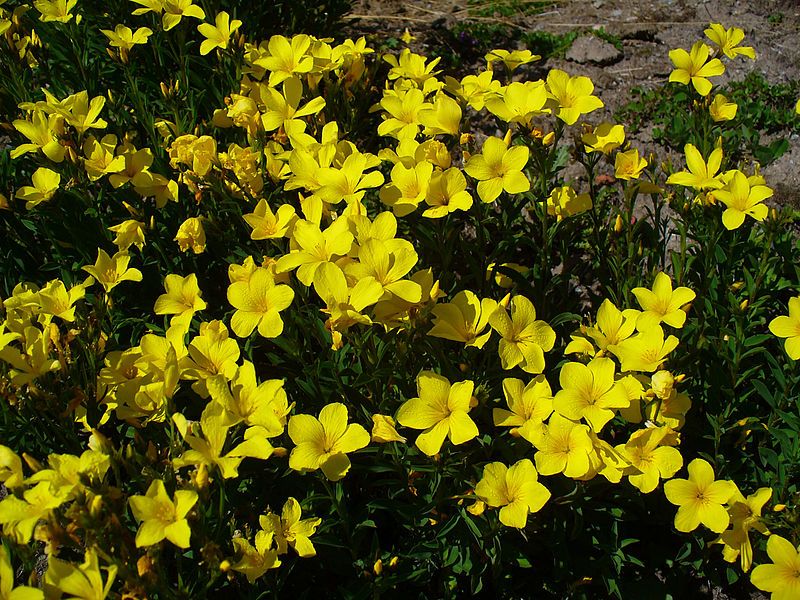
(648, 31)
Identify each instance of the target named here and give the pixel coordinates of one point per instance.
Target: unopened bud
(96, 506)
(201, 477)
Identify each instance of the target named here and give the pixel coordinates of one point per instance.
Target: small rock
(591, 49)
(633, 31)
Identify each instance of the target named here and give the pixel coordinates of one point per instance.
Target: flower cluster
(205, 406)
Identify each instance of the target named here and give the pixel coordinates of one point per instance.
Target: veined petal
(354, 438)
(514, 514)
(430, 441)
(419, 414)
(688, 516)
(333, 418)
(462, 428)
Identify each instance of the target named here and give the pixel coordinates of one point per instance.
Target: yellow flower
(19, 517)
(219, 35)
(264, 405)
(56, 300)
(571, 97)
(324, 442)
(284, 110)
(345, 304)
(563, 446)
(34, 361)
(290, 531)
(349, 183)
(782, 578)
(516, 489)
(84, 582)
(700, 498)
(499, 168)
(441, 410)
(406, 37)
(84, 114)
(208, 450)
(525, 340)
(286, 59)
(671, 411)
(156, 6)
(701, 175)
(413, 68)
(175, 10)
(742, 198)
(10, 467)
(745, 515)
(604, 138)
(695, 67)
(211, 353)
(651, 461)
(519, 102)
(125, 39)
(565, 202)
(100, 159)
(312, 247)
(443, 117)
(662, 304)
(463, 319)
(55, 10)
(148, 184)
(613, 325)
(45, 185)
(789, 328)
(589, 392)
(191, 235)
(511, 59)
(255, 561)
(388, 264)
(475, 89)
(161, 517)
(727, 41)
(43, 132)
(7, 589)
(258, 302)
(129, 233)
(383, 430)
(109, 271)
(721, 109)
(447, 192)
(529, 405)
(182, 298)
(629, 165)
(644, 351)
(269, 225)
(408, 187)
